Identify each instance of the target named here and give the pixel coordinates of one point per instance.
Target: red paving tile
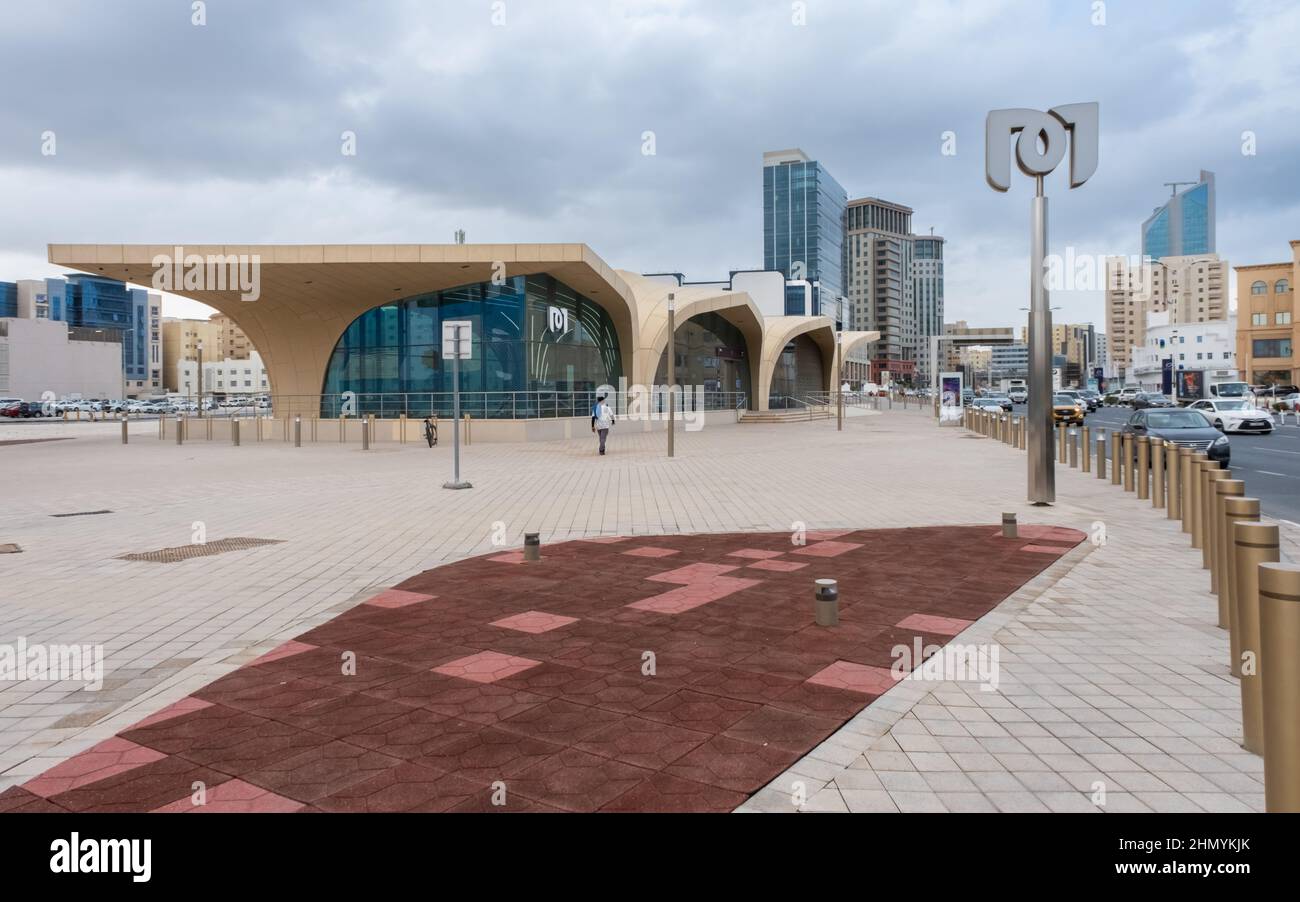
(534, 622)
(571, 684)
(486, 667)
(233, 797)
(397, 598)
(930, 623)
(651, 551)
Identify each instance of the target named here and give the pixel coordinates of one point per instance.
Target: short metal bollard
(124, 429)
(1073, 442)
(1009, 528)
(1143, 467)
(1237, 509)
(1060, 443)
(234, 432)
(826, 602)
(1116, 471)
(1101, 456)
(1192, 497)
(1256, 543)
(1129, 469)
(365, 434)
(1173, 478)
(180, 430)
(1085, 437)
(532, 546)
(1210, 473)
(297, 431)
(1223, 490)
(1279, 630)
(1157, 472)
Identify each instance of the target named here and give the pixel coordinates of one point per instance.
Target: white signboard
(449, 329)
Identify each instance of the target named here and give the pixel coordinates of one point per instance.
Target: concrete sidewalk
(1112, 667)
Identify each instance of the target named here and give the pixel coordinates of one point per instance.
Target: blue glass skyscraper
(1184, 225)
(803, 220)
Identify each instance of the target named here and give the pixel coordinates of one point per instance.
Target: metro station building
(550, 323)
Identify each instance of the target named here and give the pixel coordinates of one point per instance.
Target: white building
(1210, 346)
(42, 355)
(224, 377)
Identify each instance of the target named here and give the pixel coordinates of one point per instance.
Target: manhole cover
(81, 514)
(207, 549)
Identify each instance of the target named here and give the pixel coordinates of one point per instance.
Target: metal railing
(518, 405)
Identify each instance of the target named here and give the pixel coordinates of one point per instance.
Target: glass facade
(803, 222)
(710, 352)
(1184, 225)
(1270, 347)
(530, 334)
(8, 299)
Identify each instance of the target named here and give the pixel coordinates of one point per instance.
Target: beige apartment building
(1266, 321)
(221, 339)
(1192, 289)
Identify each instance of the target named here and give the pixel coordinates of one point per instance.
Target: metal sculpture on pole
(1040, 147)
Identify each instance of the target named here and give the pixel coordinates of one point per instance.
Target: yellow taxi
(1067, 410)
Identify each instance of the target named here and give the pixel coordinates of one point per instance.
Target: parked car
(1290, 402)
(1126, 395)
(1270, 393)
(1004, 401)
(1067, 410)
(1149, 399)
(990, 404)
(1235, 416)
(9, 407)
(1186, 428)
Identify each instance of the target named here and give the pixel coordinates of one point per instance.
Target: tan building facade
(221, 339)
(309, 296)
(1192, 289)
(1266, 321)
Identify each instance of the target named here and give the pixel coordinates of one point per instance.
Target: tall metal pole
(839, 381)
(672, 360)
(1042, 467)
(456, 482)
(199, 346)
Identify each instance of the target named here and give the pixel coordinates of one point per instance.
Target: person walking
(602, 418)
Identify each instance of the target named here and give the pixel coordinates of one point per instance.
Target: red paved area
(576, 683)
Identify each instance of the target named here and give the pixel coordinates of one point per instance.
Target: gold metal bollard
(1101, 456)
(1128, 462)
(1085, 436)
(1210, 472)
(1143, 468)
(1279, 630)
(1223, 489)
(1157, 473)
(1256, 543)
(1173, 476)
(1238, 509)
(1192, 498)
(1061, 429)
(1116, 471)
(1072, 440)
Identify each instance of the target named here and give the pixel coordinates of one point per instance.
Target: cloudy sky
(522, 121)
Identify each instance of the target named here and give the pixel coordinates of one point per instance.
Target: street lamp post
(839, 381)
(199, 346)
(672, 360)
(1040, 147)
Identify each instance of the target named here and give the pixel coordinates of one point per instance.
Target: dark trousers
(603, 433)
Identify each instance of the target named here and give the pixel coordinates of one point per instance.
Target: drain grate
(81, 514)
(207, 549)
(9, 548)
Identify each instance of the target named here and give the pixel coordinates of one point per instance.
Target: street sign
(449, 328)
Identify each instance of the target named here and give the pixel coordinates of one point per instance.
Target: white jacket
(604, 417)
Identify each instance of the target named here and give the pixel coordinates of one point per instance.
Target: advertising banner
(950, 387)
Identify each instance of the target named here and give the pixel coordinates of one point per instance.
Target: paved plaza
(1112, 694)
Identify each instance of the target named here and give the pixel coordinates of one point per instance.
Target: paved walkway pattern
(626, 674)
(1112, 670)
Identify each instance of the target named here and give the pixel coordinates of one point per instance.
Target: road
(1268, 464)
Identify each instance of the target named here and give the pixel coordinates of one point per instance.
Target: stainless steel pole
(672, 360)
(1042, 468)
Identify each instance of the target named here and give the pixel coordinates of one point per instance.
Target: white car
(1235, 416)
